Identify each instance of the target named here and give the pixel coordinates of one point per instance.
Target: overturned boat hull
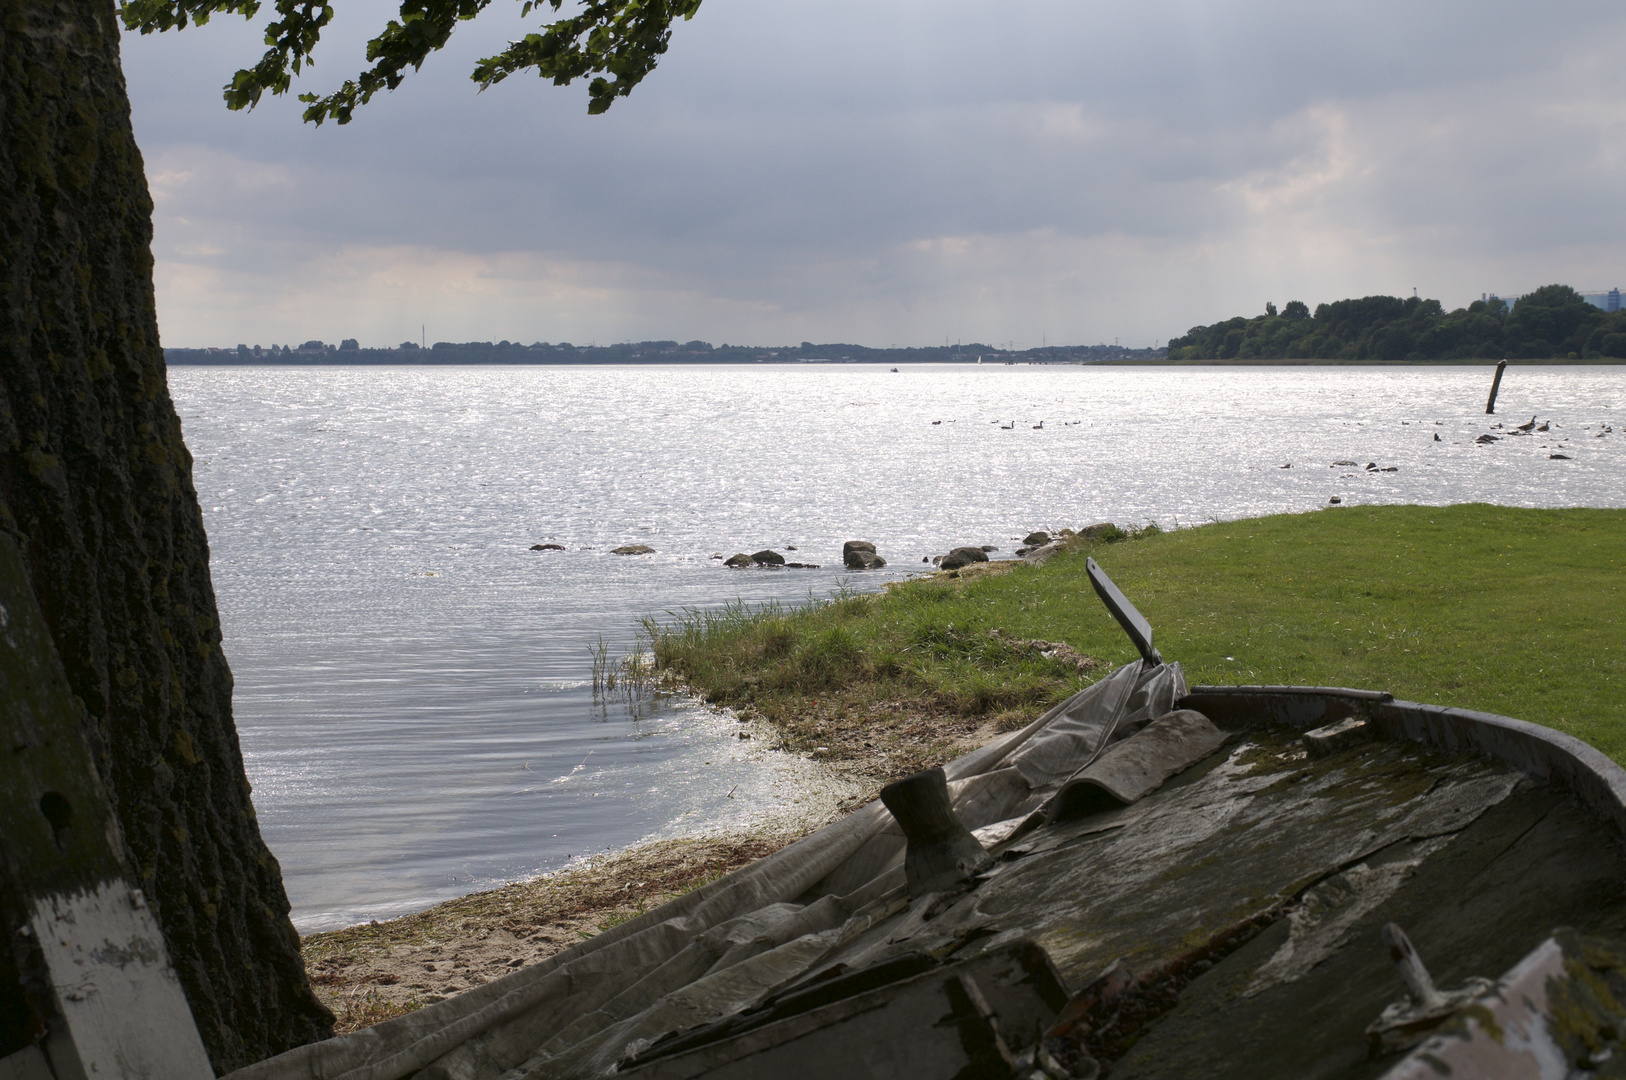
(1187, 900)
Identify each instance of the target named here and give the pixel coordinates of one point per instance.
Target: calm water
(411, 679)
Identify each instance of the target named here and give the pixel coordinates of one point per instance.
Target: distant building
(1609, 301)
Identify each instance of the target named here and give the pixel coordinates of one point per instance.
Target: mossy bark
(96, 486)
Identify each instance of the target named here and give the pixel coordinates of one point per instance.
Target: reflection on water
(412, 680)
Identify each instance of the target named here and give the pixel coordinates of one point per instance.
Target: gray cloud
(898, 172)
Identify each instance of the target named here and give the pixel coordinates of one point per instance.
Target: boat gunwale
(1532, 748)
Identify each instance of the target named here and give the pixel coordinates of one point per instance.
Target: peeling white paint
(1521, 1044)
(120, 999)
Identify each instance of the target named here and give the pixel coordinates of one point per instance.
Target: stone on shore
(1044, 552)
(1101, 530)
(962, 556)
(860, 555)
(1037, 538)
(633, 549)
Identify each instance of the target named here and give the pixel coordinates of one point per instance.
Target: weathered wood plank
(109, 1002)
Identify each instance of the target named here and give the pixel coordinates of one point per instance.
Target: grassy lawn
(1519, 612)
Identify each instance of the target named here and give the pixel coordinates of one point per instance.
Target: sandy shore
(369, 973)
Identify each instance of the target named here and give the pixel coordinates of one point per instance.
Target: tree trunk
(96, 486)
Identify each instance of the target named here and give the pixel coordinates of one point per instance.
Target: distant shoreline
(409, 360)
(649, 352)
(1596, 361)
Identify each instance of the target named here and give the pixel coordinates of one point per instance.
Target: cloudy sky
(898, 172)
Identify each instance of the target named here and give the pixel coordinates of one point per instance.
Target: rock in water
(742, 559)
(860, 555)
(767, 557)
(1487, 439)
(962, 556)
(633, 549)
(547, 547)
(1037, 538)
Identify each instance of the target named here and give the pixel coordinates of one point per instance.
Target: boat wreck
(1149, 881)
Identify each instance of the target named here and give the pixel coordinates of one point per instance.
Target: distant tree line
(1552, 322)
(646, 352)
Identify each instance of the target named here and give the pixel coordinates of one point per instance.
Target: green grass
(1512, 611)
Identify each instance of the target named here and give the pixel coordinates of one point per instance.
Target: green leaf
(617, 42)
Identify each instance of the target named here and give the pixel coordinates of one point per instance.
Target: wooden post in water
(1496, 384)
